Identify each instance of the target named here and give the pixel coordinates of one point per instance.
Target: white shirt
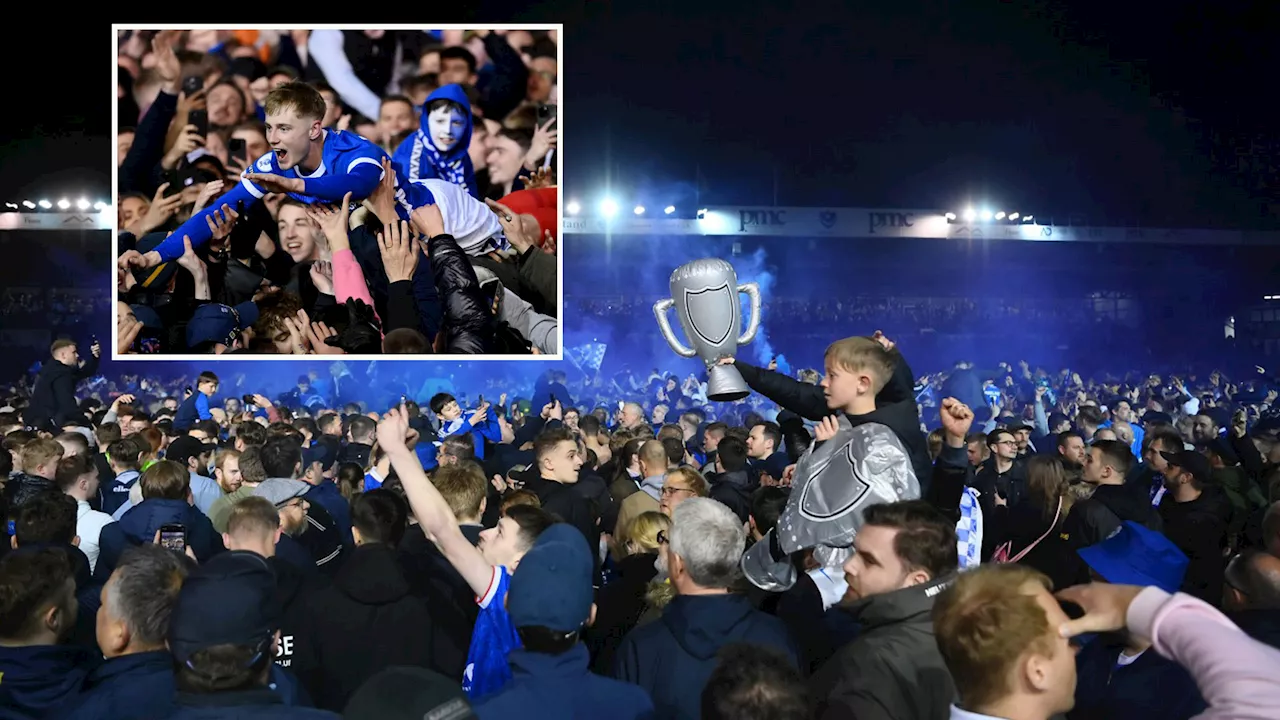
(959, 714)
(89, 524)
(467, 219)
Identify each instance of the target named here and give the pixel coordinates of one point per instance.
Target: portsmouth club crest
(827, 218)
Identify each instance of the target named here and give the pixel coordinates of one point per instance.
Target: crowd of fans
(1021, 544)
(931, 314)
(330, 191)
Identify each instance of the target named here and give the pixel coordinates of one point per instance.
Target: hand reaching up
(399, 251)
(334, 222)
(393, 428)
(827, 429)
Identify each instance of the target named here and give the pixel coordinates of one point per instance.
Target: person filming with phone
(165, 516)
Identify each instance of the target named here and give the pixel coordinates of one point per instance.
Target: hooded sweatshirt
(36, 679)
(673, 657)
(417, 158)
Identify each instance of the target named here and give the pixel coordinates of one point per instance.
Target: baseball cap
(229, 600)
(1014, 426)
(1191, 461)
(279, 491)
(409, 693)
(1156, 417)
(148, 316)
(322, 452)
(541, 203)
(185, 448)
(1220, 447)
(219, 323)
(551, 586)
(1136, 555)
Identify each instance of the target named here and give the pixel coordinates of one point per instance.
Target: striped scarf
(453, 172)
(969, 530)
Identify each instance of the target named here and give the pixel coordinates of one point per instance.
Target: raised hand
(382, 203)
(512, 227)
(277, 183)
(827, 429)
(221, 222)
(956, 418)
(318, 334)
(544, 141)
(210, 191)
(334, 222)
(399, 252)
(1105, 606)
(321, 274)
(393, 428)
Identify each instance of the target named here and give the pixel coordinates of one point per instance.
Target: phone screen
(192, 85)
(199, 118)
(238, 150)
(173, 537)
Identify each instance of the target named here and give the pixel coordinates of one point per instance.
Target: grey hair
(710, 539)
(143, 590)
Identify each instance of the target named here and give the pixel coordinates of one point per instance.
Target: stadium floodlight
(639, 210)
(1013, 217)
(28, 205)
(985, 215)
(1000, 215)
(669, 209)
(1028, 219)
(608, 207)
(951, 217)
(11, 206)
(99, 206)
(970, 215)
(45, 204)
(572, 207)
(64, 204)
(702, 213)
(82, 204)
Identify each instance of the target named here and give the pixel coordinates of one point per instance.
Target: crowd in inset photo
(337, 192)
(851, 542)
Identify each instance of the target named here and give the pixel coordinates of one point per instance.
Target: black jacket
(294, 588)
(22, 487)
(53, 399)
(1093, 520)
(619, 606)
(468, 324)
(895, 407)
(733, 489)
(365, 622)
(1199, 529)
(672, 657)
(893, 669)
(449, 600)
(571, 506)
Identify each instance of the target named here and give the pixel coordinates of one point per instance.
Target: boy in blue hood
(439, 148)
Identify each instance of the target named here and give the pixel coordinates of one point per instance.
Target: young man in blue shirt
(196, 406)
(307, 162)
(486, 568)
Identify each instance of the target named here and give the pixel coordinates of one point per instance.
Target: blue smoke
(753, 268)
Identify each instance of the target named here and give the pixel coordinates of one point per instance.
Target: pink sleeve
(348, 280)
(1238, 677)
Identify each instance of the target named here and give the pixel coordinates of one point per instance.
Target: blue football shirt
(493, 639)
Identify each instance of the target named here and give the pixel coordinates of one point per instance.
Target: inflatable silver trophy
(705, 295)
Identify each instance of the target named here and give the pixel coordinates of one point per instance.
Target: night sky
(1064, 109)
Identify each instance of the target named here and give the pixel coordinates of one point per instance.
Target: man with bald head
(1251, 597)
(654, 464)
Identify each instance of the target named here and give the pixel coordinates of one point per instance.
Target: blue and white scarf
(453, 172)
(969, 530)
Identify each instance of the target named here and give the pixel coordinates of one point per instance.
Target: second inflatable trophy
(705, 295)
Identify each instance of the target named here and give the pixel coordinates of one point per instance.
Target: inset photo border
(379, 193)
